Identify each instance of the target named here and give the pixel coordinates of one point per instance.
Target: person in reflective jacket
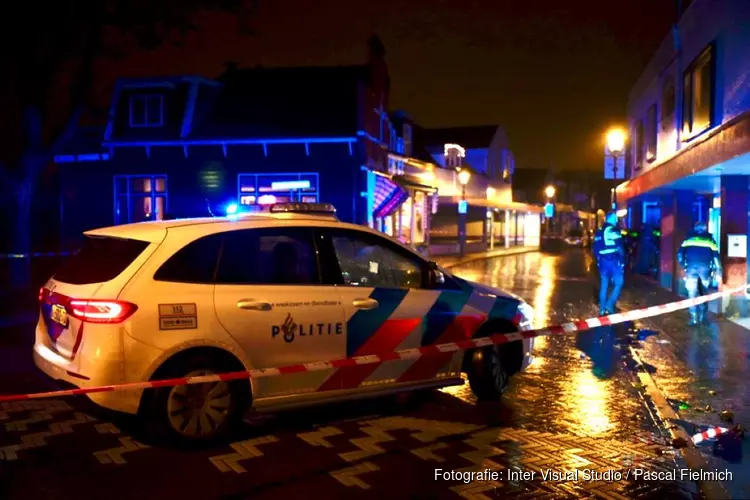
(610, 259)
(699, 257)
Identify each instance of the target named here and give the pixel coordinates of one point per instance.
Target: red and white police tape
(407, 354)
(709, 434)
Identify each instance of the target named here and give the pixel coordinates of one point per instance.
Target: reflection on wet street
(577, 383)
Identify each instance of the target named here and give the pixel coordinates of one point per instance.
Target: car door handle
(253, 305)
(367, 304)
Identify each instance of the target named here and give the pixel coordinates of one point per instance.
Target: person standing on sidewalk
(699, 257)
(610, 260)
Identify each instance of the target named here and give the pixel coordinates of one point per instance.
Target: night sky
(554, 73)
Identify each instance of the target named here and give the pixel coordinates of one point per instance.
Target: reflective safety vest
(698, 249)
(608, 241)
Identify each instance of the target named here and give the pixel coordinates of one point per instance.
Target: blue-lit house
(689, 121)
(187, 146)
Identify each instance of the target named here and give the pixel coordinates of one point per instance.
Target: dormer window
(146, 110)
(407, 139)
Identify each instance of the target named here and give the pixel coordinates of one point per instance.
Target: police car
(182, 298)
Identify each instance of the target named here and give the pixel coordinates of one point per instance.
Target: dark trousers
(697, 282)
(610, 272)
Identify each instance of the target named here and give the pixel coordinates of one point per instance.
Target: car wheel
(197, 413)
(487, 376)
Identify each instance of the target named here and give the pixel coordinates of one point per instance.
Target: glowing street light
(463, 177)
(550, 191)
(616, 141)
(616, 144)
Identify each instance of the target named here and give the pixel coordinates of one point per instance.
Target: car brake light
(101, 311)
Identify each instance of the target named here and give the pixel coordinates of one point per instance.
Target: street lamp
(616, 145)
(463, 179)
(550, 192)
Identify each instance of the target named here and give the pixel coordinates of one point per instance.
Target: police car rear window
(99, 259)
(194, 263)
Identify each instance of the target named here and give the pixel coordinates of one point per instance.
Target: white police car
(180, 298)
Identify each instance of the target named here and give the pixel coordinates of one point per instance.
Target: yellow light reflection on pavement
(585, 398)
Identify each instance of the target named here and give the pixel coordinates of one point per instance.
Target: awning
(408, 182)
(388, 196)
(508, 205)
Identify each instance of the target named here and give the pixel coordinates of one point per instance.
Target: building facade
(492, 217)
(186, 146)
(689, 120)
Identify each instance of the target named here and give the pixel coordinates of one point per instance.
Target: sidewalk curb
(469, 260)
(713, 490)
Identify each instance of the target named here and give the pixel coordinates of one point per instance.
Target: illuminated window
(667, 103)
(140, 198)
(298, 187)
(146, 110)
(651, 133)
(697, 103)
(639, 145)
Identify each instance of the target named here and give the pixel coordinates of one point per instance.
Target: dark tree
(48, 51)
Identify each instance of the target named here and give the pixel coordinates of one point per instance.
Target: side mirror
(435, 276)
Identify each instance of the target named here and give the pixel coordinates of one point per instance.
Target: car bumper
(60, 370)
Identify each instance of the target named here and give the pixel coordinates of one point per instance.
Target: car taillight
(101, 311)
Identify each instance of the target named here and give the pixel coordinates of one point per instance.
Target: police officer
(699, 257)
(610, 260)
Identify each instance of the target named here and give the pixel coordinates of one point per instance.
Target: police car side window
(268, 256)
(193, 263)
(364, 261)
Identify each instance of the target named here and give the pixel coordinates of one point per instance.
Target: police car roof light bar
(308, 208)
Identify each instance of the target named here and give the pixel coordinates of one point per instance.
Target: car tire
(487, 376)
(197, 414)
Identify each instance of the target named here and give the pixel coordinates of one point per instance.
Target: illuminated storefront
(265, 189)
(401, 208)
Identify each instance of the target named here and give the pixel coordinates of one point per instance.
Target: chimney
(375, 47)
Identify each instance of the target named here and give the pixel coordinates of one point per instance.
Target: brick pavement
(578, 407)
(703, 371)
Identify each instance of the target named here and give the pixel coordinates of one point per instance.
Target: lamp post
(616, 145)
(463, 179)
(549, 191)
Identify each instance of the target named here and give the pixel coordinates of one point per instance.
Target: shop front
(401, 207)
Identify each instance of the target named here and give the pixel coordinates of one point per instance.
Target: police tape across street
(431, 350)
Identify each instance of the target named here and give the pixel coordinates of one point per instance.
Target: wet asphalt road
(578, 407)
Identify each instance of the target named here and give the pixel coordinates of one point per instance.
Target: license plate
(59, 315)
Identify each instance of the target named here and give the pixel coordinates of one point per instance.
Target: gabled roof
(467, 137)
(289, 102)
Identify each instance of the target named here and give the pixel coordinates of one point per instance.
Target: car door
(269, 296)
(389, 306)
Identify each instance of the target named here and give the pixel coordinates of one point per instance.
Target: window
(651, 134)
(667, 103)
(639, 146)
(273, 256)
(407, 139)
(277, 188)
(140, 198)
(365, 261)
(100, 259)
(697, 104)
(194, 263)
(146, 110)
